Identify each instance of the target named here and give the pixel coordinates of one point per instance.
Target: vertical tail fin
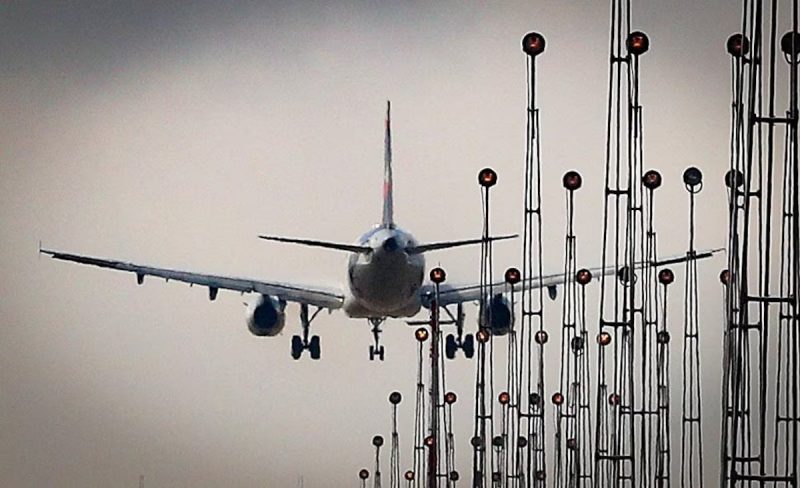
(388, 207)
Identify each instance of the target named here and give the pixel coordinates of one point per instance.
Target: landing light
(738, 45)
(693, 178)
(438, 275)
(624, 275)
(512, 276)
(421, 334)
(734, 179)
(666, 276)
(637, 43)
(533, 44)
(583, 276)
(572, 180)
(487, 177)
(725, 277)
(790, 43)
(652, 179)
(503, 398)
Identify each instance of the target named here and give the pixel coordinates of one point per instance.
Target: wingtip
(272, 238)
(269, 238)
(42, 250)
(712, 252)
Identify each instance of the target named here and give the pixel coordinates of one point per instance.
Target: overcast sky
(172, 135)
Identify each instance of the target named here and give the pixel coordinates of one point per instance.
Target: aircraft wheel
(297, 347)
(450, 347)
(469, 346)
(380, 353)
(313, 347)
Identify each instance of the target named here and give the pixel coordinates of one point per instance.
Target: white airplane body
(385, 278)
(386, 281)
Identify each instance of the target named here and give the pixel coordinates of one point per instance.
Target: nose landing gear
(301, 343)
(376, 349)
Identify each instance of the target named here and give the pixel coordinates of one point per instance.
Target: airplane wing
(452, 294)
(318, 297)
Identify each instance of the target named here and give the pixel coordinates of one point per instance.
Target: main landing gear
(453, 343)
(376, 349)
(299, 344)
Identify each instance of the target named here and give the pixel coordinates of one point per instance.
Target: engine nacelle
(498, 316)
(265, 316)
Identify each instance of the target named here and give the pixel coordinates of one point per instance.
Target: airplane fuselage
(384, 282)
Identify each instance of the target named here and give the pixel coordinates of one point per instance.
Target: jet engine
(497, 316)
(265, 316)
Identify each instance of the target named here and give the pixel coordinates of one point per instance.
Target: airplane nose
(390, 244)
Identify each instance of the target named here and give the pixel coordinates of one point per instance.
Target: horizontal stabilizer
(435, 246)
(328, 245)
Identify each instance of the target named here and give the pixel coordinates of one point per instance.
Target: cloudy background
(172, 134)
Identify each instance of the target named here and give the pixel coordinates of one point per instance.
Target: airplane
(385, 275)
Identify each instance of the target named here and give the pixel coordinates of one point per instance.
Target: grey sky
(172, 135)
